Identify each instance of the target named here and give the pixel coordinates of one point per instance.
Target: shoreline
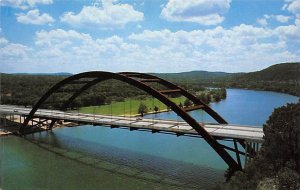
(10, 127)
(266, 90)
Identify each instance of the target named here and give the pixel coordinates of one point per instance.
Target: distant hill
(284, 72)
(284, 77)
(26, 88)
(195, 76)
(45, 74)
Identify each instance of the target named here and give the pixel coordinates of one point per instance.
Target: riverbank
(4, 132)
(11, 125)
(8, 126)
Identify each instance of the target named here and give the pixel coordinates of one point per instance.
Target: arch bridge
(84, 81)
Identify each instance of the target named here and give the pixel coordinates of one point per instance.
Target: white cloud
(109, 15)
(293, 6)
(78, 51)
(290, 33)
(235, 49)
(206, 12)
(239, 48)
(24, 4)
(282, 18)
(3, 41)
(13, 55)
(262, 21)
(34, 17)
(279, 18)
(56, 37)
(12, 50)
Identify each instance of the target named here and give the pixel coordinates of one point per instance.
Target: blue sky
(147, 35)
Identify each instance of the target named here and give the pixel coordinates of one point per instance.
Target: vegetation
(284, 77)
(142, 109)
(194, 76)
(285, 72)
(277, 165)
(187, 103)
(24, 90)
(215, 95)
(27, 89)
(129, 106)
(156, 109)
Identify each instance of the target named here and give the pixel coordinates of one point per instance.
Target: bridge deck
(250, 133)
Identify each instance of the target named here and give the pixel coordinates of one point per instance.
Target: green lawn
(128, 107)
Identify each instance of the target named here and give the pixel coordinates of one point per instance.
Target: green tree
(187, 103)
(288, 178)
(203, 98)
(208, 98)
(282, 137)
(217, 97)
(156, 109)
(278, 161)
(142, 109)
(180, 105)
(223, 93)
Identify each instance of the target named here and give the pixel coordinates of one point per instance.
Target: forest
(277, 165)
(283, 77)
(26, 89)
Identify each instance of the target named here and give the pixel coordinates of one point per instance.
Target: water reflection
(128, 163)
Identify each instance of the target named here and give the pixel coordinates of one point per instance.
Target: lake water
(91, 157)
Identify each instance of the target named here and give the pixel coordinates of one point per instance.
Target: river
(91, 157)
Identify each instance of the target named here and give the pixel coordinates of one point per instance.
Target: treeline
(287, 88)
(277, 165)
(284, 77)
(26, 90)
(292, 89)
(212, 95)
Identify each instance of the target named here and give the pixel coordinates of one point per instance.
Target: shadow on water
(129, 163)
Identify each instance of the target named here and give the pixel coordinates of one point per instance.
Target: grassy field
(128, 107)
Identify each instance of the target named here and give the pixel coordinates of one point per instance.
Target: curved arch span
(140, 81)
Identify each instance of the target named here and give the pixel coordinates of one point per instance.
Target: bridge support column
(237, 153)
(2, 120)
(251, 148)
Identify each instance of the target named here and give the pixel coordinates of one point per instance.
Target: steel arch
(139, 80)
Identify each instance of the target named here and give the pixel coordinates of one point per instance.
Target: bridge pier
(251, 149)
(3, 120)
(237, 153)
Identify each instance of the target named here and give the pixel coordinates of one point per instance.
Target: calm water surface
(88, 157)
